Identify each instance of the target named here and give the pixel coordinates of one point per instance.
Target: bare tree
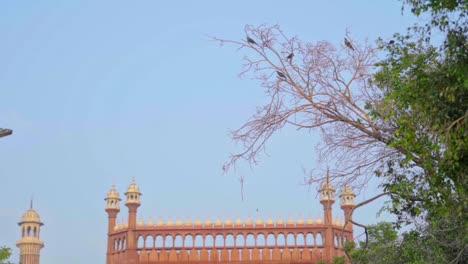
(315, 86)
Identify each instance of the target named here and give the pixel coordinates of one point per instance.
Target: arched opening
(318, 239)
(115, 245)
(209, 242)
(119, 243)
(22, 232)
(149, 241)
(198, 241)
(337, 241)
(250, 240)
(141, 242)
(310, 239)
(229, 240)
(290, 239)
(123, 246)
(240, 242)
(188, 241)
(28, 231)
(178, 241)
(271, 240)
(168, 241)
(261, 240)
(219, 240)
(280, 240)
(159, 241)
(300, 240)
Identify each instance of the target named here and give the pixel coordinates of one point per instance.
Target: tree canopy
(5, 254)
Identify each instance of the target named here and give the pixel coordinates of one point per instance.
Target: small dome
(238, 221)
(309, 220)
(208, 222)
(133, 187)
(31, 216)
(198, 222)
(140, 222)
(290, 221)
(179, 222)
(150, 222)
(300, 221)
(248, 222)
(279, 221)
(160, 222)
(228, 222)
(326, 185)
(169, 222)
(188, 222)
(259, 221)
(218, 222)
(319, 221)
(113, 193)
(346, 190)
(269, 221)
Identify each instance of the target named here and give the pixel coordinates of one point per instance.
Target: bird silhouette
(290, 56)
(280, 74)
(391, 42)
(251, 41)
(348, 43)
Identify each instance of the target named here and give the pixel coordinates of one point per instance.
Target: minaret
(327, 198)
(347, 204)
(112, 208)
(132, 202)
(30, 244)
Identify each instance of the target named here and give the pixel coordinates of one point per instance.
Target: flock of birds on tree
(283, 76)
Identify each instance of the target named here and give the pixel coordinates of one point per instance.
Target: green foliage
(381, 247)
(339, 260)
(386, 247)
(425, 103)
(5, 254)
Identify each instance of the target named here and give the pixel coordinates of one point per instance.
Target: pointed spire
(31, 203)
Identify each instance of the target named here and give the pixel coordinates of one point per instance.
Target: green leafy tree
(426, 86)
(5, 254)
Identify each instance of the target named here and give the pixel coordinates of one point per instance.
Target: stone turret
(112, 208)
(30, 243)
(347, 204)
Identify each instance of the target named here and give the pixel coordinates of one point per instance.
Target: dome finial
(31, 202)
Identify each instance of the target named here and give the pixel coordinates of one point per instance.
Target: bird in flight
(251, 41)
(348, 43)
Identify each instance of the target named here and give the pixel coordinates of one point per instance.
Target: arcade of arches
(291, 241)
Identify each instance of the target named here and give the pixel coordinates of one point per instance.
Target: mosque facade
(226, 241)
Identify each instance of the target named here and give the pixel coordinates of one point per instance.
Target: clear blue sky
(100, 91)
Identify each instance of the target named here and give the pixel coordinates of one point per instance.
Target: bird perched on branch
(251, 41)
(281, 75)
(348, 43)
(391, 42)
(290, 56)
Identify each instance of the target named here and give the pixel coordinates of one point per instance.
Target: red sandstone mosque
(228, 241)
